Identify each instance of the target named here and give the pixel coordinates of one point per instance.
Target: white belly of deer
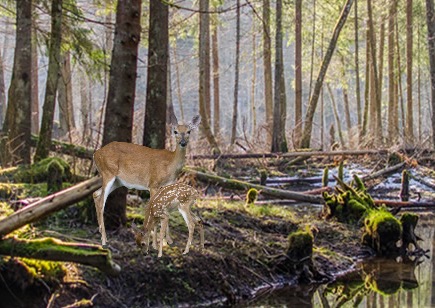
(131, 185)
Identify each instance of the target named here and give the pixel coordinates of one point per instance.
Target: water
(375, 283)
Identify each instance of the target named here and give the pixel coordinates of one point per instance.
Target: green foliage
(39, 172)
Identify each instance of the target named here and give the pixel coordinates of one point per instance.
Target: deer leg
(185, 212)
(97, 195)
(163, 227)
(105, 190)
(198, 221)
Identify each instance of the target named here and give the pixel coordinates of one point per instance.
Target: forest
(301, 133)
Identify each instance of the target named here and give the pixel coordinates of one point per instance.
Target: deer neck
(179, 158)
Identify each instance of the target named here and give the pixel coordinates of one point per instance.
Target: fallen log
(48, 205)
(383, 172)
(66, 148)
(51, 249)
(237, 184)
(290, 154)
(407, 204)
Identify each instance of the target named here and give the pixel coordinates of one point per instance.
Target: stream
(375, 282)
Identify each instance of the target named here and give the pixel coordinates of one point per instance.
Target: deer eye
(188, 132)
(175, 132)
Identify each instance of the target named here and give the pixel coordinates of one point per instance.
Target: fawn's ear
(173, 119)
(196, 120)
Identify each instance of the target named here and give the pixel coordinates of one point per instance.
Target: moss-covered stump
(381, 232)
(51, 249)
(55, 173)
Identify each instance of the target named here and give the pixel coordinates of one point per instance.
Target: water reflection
(376, 283)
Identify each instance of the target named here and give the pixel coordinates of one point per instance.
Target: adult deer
(135, 166)
(167, 199)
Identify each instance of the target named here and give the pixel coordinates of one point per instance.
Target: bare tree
(267, 64)
(430, 20)
(279, 142)
(409, 131)
(216, 86)
(44, 141)
(393, 112)
(65, 97)
(118, 120)
(35, 82)
(236, 77)
(157, 77)
(204, 73)
(17, 125)
(357, 81)
(298, 73)
(309, 116)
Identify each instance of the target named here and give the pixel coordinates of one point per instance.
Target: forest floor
(244, 247)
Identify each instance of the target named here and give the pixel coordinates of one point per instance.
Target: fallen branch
(407, 204)
(237, 184)
(51, 249)
(384, 171)
(291, 154)
(48, 205)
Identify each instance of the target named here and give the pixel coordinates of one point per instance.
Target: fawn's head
(182, 131)
(139, 235)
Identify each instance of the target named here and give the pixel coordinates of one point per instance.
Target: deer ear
(173, 119)
(196, 120)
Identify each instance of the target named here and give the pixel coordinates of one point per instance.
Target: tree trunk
(35, 82)
(204, 73)
(393, 113)
(2, 91)
(44, 143)
(365, 118)
(399, 79)
(309, 116)
(118, 119)
(279, 142)
(313, 40)
(216, 86)
(236, 77)
(17, 124)
(177, 72)
(357, 81)
(85, 109)
(254, 79)
(337, 118)
(430, 20)
(65, 99)
(409, 131)
(298, 73)
(267, 67)
(156, 97)
(376, 100)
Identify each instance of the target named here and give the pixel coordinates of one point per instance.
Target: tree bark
(35, 84)
(64, 98)
(156, 96)
(409, 130)
(279, 142)
(393, 112)
(2, 91)
(337, 118)
(309, 116)
(430, 21)
(267, 67)
(204, 73)
(298, 73)
(216, 86)
(17, 124)
(118, 119)
(44, 143)
(236, 77)
(357, 79)
(254, 80)
(51, 249)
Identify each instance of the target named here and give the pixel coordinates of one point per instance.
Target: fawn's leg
(163, 227)
(185, 212)
(198, 221)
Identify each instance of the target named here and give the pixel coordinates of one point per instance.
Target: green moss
(300, 245)
(38, 172)
(251, 196)
(46, 269)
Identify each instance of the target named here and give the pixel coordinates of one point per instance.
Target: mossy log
(237, 184)
(300, 246)
(409, 222)
(66, 148)
(48, 205)
(51, 249)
